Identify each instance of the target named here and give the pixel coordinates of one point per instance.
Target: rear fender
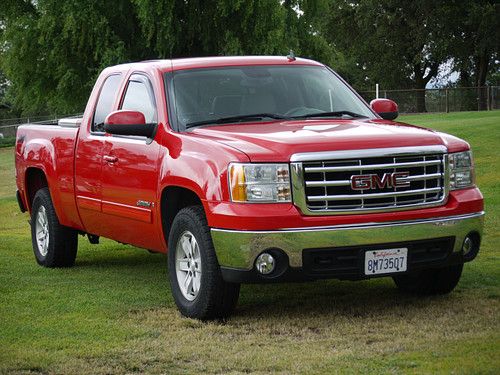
(40, 154)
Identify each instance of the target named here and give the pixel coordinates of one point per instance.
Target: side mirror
(124, 122)
(385, 108)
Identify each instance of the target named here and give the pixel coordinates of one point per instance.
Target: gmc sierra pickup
(250, 169)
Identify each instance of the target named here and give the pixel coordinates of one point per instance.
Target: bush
(7, 141)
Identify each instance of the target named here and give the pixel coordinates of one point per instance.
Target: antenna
(291, 56)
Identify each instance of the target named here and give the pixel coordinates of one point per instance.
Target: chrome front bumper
(238, 249)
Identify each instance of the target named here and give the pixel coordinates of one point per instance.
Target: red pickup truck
(250, 169)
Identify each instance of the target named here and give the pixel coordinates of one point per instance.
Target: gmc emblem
(373, 181)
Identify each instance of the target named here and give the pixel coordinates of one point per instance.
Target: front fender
(197, 164)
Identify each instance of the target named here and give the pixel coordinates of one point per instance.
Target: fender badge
(143, 204)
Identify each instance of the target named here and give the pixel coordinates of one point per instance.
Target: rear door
(130, 174)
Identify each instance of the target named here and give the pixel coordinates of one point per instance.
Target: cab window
(105, 102)
(139, 97)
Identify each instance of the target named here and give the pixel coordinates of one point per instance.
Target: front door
(88, 156)
(130, 175)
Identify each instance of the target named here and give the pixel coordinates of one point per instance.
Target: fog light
(467, 246)
(265, 263)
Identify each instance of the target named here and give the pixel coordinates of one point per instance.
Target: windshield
(203, 96)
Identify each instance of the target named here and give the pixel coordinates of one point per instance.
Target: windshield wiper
(226, 120)
(332, 114)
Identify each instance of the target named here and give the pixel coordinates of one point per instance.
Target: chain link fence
(9, 126)
(441, 100)
(409, 101)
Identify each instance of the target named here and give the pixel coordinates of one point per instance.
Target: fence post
(488, 98)
(478, 98)
(385, 94)
(447, 106)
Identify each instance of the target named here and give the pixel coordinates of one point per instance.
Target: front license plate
(386, 261)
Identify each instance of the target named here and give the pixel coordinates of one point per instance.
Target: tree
(477, 45)
(303, 31)
(394, 43)
(181, 28)
(53, 50)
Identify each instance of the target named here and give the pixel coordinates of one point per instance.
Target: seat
(226, 105)
(258, 103)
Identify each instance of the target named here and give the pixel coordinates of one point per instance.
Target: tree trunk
(421, 108)
(421, 81)
(465, 78)
(481, 71)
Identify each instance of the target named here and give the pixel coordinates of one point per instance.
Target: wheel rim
(42, 231)
(188, 265)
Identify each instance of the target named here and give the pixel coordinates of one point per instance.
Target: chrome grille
(326, 184)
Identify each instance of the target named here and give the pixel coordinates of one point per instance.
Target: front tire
(195, 278)
(430, 282)
(54, 245)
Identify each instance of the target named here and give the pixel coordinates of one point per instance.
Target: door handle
(110, 159)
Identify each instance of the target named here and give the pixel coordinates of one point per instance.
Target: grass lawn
(113, 312)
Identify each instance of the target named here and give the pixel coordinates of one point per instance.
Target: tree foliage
(54, 50)
(404, 43)
(232, 27)
(198, 28)
(477, 42)
(51, 51)
(394, 43)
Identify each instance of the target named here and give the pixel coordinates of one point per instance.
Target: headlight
(461, 170)
(266, 183)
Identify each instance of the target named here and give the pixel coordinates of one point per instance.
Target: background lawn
(113, 312)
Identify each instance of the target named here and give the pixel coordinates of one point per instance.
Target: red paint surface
(125, 117)
(97, 180)
(281, 216)
(383, 105)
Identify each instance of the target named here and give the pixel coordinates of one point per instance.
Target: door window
(105, 102)
(139, 97)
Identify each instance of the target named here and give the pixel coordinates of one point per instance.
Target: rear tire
(430, 282)
(195, 278)
(54, 245)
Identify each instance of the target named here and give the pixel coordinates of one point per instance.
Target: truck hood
(276, 141)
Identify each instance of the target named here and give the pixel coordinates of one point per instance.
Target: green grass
(7, 176)
(113, 312)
